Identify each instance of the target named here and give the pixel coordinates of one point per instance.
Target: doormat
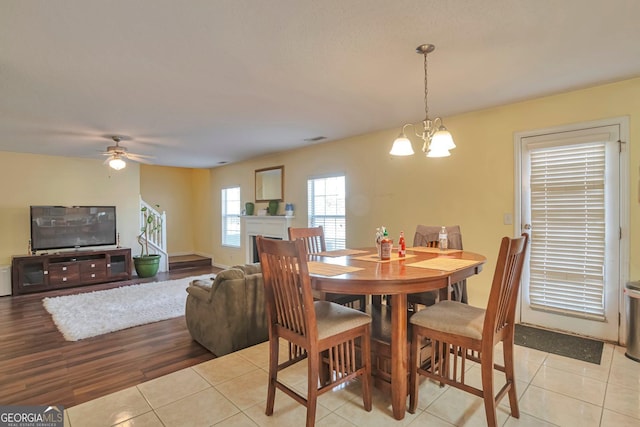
(579, 348)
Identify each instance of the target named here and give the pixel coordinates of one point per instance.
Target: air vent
(315, 139)
(223, 162)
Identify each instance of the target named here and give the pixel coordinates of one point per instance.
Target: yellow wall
(29, 179)
(473, 188)
(171, 188)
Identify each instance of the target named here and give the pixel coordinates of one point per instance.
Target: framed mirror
(270, 184)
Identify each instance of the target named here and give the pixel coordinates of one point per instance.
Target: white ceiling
(198, 82)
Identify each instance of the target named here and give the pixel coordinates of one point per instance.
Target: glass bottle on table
(402, 246)
(443, 239)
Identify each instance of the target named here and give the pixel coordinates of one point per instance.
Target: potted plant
(147, 264)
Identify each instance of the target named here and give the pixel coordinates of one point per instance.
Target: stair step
(188, 261)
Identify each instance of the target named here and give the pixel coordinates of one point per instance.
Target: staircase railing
(157, 238)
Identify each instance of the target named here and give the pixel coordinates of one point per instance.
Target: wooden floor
(38, 367)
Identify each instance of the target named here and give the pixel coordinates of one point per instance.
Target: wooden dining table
(360, 271)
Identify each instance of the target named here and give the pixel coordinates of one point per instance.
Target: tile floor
(231, 391)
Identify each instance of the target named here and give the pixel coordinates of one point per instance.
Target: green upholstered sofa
(228, 313)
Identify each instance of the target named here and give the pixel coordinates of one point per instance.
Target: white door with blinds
(570, 206)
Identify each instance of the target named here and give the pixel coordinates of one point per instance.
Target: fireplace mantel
(268, 226)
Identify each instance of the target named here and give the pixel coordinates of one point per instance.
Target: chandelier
(437, 139)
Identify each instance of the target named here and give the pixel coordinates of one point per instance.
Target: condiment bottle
(386, 244)
(402, 246)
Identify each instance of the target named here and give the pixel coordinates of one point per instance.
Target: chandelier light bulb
(401, 147)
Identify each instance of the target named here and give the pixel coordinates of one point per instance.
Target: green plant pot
(146, 266)
(273, 207)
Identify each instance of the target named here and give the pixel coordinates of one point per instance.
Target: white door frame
(624, 199)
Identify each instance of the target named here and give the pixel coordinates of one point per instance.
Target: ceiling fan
(117, 155)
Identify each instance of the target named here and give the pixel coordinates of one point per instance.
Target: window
(326, 204)
(231, 216)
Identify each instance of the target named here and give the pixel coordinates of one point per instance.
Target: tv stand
(46, 272)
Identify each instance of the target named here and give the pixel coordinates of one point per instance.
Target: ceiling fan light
(117, 163)
(401, 147)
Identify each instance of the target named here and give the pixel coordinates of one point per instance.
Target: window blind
(567, 255)
(326, 207)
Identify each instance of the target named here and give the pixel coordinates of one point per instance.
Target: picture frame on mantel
(269, 184)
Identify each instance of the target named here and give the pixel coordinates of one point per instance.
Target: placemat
(444, 264)
(341, 252)
(433, 250)
(375, 258)
(324, 269)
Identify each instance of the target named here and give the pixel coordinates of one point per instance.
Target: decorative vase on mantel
(273, 207)
(248, 208)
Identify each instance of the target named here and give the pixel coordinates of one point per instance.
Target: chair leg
(313, 375)
(487, 389)
(509, 371)
(274, 352)
(413, 371)
(366, 377)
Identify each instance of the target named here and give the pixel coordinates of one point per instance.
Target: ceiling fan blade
(140, 158)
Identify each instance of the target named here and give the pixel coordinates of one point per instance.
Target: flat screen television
(64, 227)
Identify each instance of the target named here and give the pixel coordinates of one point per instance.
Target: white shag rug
(95, 313)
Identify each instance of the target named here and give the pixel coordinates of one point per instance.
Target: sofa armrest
(199, 292)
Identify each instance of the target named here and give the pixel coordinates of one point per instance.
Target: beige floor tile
(336, 397)
(150, 419)
(380, 415)
(109, 410)
(204, 408)
(246, 390)
(591, 370)
(237, 420)
(624, 371)
(428, 392)
(287, 412)
(613, 419)
(570, 384)
(474, 379)
(169, 388)
(623, 400)
(294, 374)
(259, 354)
(559, 409)
(527, 420)
(334, 420)
(224, 368)
(463, 409)
(427, 419)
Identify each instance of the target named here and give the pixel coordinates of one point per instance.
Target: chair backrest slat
(500, 315)
(313, 238)
(287, 285)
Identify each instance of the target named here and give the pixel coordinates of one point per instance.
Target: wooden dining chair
(327, 334)
(427, 235)
(460, 332)
(313, 238)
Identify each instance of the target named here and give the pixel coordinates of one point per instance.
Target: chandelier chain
(426, 90)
